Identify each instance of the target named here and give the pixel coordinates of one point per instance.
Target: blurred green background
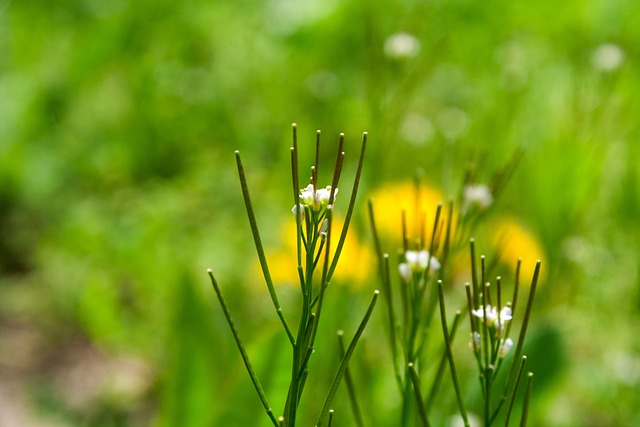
(118, 122)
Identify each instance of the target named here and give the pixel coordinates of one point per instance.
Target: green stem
(447, 342)
(352, 202)
(523, 331)
(527, 398)
(345, 361)
(437, 380)
(258, 242)
(357, 415)
(243, 352)
(512, 399)
(422, 411)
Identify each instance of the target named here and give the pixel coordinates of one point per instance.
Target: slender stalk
(258, 242)
(352, 202)
(523, 331)
(243, 352)
(527, 398)
(437, 380)
(447, 342)
(422, 411)
(474, 274)
(353, 399)
(512, 398)
(345, 361)
(383, 266)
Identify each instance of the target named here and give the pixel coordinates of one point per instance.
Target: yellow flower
(355, 267)
(512, 241)
(420, 206)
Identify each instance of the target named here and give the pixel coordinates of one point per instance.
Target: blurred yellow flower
(512, 241)
(391, 200)
(355, 267)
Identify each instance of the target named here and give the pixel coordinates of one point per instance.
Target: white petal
(405, 271)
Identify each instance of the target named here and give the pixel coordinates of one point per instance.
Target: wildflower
(417, 261)
(476, 341)
(401, 45)
(505, 346)
(477, 195)
(513, 241)
(324, 227)
(493, 315)
(300, 210)
(608, 57)
(316, 199)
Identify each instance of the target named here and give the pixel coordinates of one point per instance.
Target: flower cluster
(496, 320)
(316, 199)
(477, 195)
(417, 261)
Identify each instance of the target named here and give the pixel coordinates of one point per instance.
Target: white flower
(478, 195)
(316, 199)
(476, 342)
(417, 261)
(324, 227)
(401, 45)
(505, 347)
(608, 57)
(493, 316)
(300, 209)
(505, 314)
(405, 271)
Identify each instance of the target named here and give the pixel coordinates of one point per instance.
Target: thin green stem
(258, 242)
(345, 361)
(452, 366)
(527, 398)
(383, 266)
(353, 398)
(243, 352)
(512, 398)
(474, 274)
(437, 380)
(523, 331)
(352, 202)
(422, 411)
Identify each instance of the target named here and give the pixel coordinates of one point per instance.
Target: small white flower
(505, 347)
(317, 199)
(405, 271)
(307, 195)
(476, 341)
(478, 195)
(417, 261)
(324, 227)
(300, 209)
(493, 316)
(505, 314)
(608, 57)
(402, 45)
